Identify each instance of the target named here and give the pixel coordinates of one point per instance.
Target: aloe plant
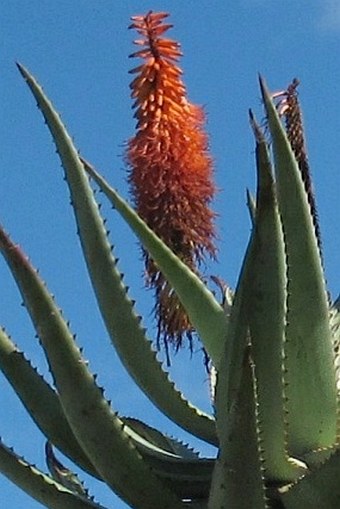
(273, 346)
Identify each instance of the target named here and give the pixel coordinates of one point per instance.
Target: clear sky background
(78, 51)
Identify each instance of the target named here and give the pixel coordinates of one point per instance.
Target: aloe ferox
(274, 350)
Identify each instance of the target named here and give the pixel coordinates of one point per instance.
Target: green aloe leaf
(320, 488)
(41, 402)
(205, 312)
(315, 458)
(310, 374)
(117, 309)
(334, 316)
(160, 440)
(335, 328)
(251, 204)
(230, 370)
(188, 475)
(98, 430)
(238, 477)
(63, 475)
(266, 311)
(38, 485)
(188, 478)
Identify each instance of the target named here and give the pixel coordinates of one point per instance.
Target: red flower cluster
(170, 168)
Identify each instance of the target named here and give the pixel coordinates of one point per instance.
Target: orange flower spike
(170, 168)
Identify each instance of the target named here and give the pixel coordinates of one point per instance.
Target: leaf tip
(22, 69)
(259, 137)
(266, 97)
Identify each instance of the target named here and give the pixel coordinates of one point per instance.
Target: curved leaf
(117, 309)
(98, 430)
(63, 475)
(169, 458)
(320, 488)
(160, 440)
(205, 312)
(38, 485)
(41, 402)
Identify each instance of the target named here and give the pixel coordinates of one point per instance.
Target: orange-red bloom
(170, 168)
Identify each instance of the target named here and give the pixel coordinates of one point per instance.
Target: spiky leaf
(205, 313)
(41, 401)
(63, 475)
(310, 374)
(320, 488)
(238, 479)
(117, 309)
(266, 310)
(98, 430)
(38, 485)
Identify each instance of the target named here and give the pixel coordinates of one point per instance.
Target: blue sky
(78, 51)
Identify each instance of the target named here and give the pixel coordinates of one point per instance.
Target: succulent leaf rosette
(273, 343)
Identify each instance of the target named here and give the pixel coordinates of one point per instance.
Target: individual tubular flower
(170, 170)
